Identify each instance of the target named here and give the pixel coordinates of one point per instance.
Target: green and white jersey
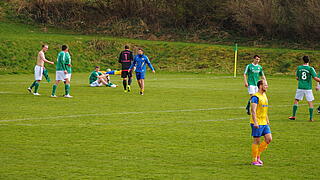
(253, 73)
(68, 61)
(93, 76)
(60, 65)
(305, 74)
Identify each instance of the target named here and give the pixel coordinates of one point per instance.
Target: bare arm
(254, 114)
(268, 122)
(44, 59)
(245, 80)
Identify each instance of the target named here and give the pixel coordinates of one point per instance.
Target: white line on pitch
(142, 112)
(128, 123)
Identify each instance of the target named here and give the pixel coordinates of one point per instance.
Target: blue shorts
(140, 75)
(261, 131)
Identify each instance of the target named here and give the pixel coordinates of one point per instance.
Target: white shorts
(68, 76)
(300, 93)
(96, 84)
(60, 76)
(38, 70)
(252, 89)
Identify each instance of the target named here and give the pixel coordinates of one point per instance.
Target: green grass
(175, 131)
(20, 44)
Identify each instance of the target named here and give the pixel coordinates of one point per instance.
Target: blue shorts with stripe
(261, 131)
(140, 75)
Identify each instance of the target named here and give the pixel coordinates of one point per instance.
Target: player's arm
(44, 59)
(132, 65)
(245, 76)
(254, 105)
(149, 64)
(120, 57)
(263, 77)
(268, 122)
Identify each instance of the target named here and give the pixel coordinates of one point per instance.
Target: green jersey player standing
(251, 76)
(304, 75)
(63, 71)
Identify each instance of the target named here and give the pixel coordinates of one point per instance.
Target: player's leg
(255, 151)
(54, 88)
(142, 86)
(267, 140)
(67, 88)
(39, 73)
(298, 97)
(129, 81)
(46, 74)
(251, 90)
(124, 82)
(310, 98)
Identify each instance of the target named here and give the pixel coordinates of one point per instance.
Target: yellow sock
(263, 146)
(255, 151)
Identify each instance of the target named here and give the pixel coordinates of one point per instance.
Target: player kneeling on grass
(63, 71)
(259, 122)
(97, 79)
(304, 75)
(140, 62)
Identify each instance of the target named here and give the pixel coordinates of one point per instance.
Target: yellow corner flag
(235, 60)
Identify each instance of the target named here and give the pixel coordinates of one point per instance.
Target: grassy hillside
(20, 44)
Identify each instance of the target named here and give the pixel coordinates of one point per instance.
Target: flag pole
(235, 60)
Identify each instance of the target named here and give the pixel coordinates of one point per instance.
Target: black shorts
(125, 74)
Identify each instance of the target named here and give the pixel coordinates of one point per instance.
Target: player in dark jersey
(125, 58)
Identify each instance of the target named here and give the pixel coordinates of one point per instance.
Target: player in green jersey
(63, 71)
(97, 78)
(304, 75)
(251, 76)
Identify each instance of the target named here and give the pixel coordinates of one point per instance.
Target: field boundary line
(141, 112)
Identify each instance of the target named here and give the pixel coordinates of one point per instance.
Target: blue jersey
(140, 62)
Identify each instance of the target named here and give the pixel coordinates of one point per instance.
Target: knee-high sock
(33, 84)
(294, 110)
(67, 89)
(36, 87)
(311, 113)
(46, 75)
(129, 81)
(255, 152)
(54, 88)
(263, 146)
(124, 82)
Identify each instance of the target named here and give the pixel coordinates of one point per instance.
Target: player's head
(97, 68)
(64, 48)
(140, 51)
(45, 47)
(126, 47)
(262, 85)
(256, 59)
(306, 59)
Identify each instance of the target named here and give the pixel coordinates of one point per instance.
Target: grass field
(186, 126)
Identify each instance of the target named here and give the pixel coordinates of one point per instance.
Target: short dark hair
(140, 49)
(256, 56)
(260, 82)
(64, 47)
(97, 67)
(43, 45)
(306, 59)
(126, 47)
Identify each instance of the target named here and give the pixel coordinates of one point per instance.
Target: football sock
(248, 105)
(33, 84)
(129, 81)
(255, 151)
(311, 113)
(124, 82)
(36, 87)
(263, 146)
(294, 110)
(46, 75)
(67, 88)
(54, 88)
